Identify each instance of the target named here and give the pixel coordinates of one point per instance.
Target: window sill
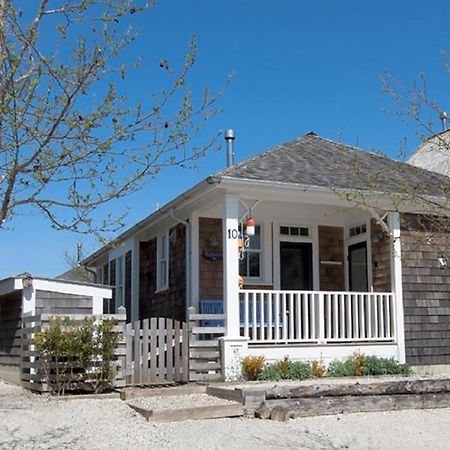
(162, 289)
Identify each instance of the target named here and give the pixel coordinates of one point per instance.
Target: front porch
(322, 278)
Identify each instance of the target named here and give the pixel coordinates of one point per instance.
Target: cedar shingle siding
(426, 295)
(331, 248)
(170, 303)
(211, 272)
(381, 260)
(10, 320)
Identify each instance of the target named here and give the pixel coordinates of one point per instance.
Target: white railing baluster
(277, 316)
(349, 315)
(342, 314)
(261, 316)
(298, 309)
(369, 316)
(388, 316)
(362, 312)
(246, 318)
(269, 316)
(306, 315)
(321, 314)
(382, 316)
(335, 316)
(291, 316)
(375, 317)
(254, 322)
(284, 316)
(328, 315)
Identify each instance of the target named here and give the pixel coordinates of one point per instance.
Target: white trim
(230, 223)
(135, 263)
(260, 251)
(193, 298)
(352, 240)
(162, 242)
(396, 280)
(313, 239)
(65, 287)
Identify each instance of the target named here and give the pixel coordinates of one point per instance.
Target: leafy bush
(299, 370)
(252, 366)
(338, 368)
(77, 356)
(269, 373)
(385, 366)
(286, 370)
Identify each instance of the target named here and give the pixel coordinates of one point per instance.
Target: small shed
(24, 294)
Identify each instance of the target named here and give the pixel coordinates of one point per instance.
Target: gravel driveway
(28, 421)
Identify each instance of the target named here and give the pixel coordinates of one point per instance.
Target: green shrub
(345, 368)
(385, 366)
(299, 370)
(270, 372)
(77, 357)
(286, 370)
(252, 366)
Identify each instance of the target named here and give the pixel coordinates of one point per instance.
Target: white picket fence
(268, 316)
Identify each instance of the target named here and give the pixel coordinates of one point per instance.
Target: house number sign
(233, 233)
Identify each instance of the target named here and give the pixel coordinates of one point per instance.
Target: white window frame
(261, 256)
(162, 261)
(351, 240)
(120, 281)
(313, 239)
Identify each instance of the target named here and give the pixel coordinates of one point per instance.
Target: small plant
(318, 368)
(359, 360)
(299, 370)
(252, 366)
(269, 373)
(283, 366)
(385, 366)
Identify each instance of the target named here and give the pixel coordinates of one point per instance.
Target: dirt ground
(29, 421)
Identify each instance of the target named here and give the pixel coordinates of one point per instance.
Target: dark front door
(296, 266)
(357, 267)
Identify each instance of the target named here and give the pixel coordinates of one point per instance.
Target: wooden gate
(156, 351)
(205, 362)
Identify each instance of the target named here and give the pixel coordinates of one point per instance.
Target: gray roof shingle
(314, 161)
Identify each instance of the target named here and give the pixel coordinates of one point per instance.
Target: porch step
(198, 376)
(198, 413)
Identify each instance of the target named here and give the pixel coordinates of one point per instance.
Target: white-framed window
(357, 230)
(162, 266)
(119, 281)
(250, 265)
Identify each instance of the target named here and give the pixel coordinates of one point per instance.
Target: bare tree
(70, 140)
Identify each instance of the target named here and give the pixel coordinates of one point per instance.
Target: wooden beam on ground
(403, 386)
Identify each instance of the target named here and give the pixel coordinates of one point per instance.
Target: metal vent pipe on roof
(230, 137)
(444, 117)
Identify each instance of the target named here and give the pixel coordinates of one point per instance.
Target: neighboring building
(339, 260)
(24, 295)
(434, 154)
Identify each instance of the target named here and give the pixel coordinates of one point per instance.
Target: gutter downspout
(188, 256)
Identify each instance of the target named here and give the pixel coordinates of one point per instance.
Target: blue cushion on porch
(211, 306)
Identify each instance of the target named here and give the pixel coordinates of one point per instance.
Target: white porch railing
(269, 316)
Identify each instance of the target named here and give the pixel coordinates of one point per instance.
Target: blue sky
(297, 66)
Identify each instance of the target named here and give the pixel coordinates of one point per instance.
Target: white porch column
(230, 232)
(194, 262)
(234, 347)
(396, 282)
